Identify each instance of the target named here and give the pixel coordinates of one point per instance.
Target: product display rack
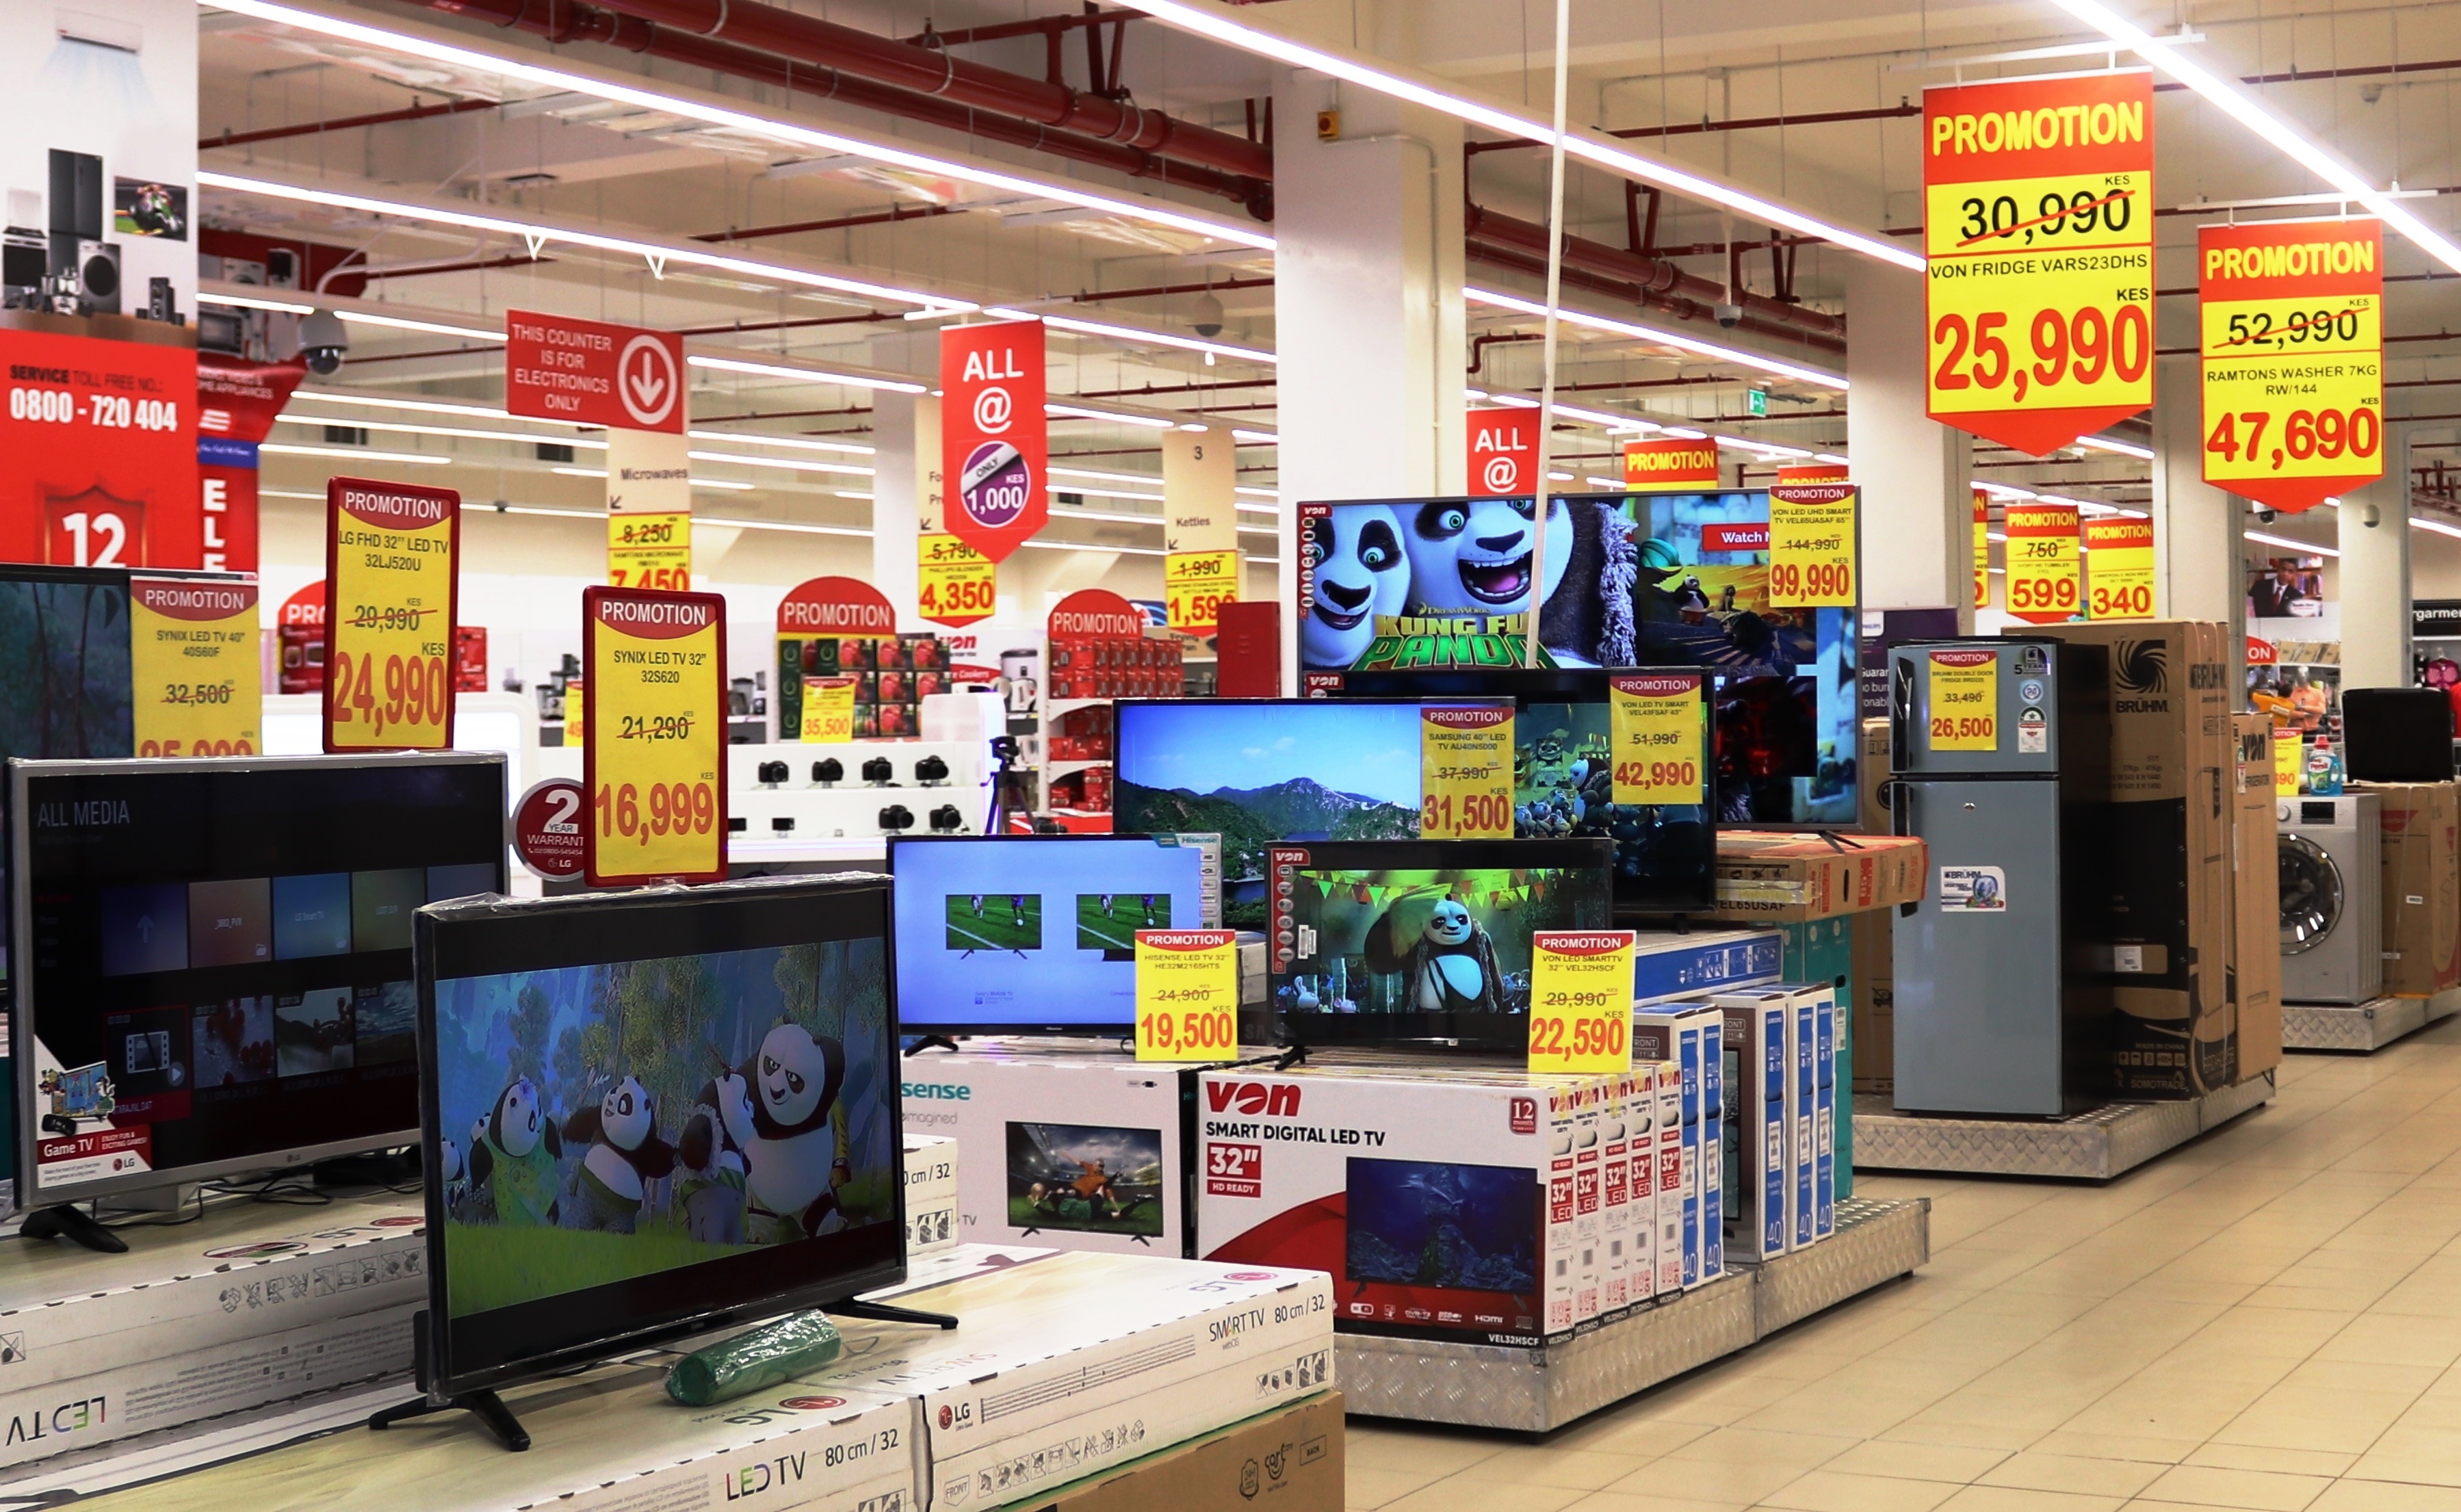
(2365, 1028)
(2092, 1146)
(1540, 1389)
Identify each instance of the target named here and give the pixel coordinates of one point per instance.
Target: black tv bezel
(1437, 854)
(1528, 685)
(24, 988)
(605, 915)
(1080, 1028)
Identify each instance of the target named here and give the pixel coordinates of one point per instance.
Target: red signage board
(238, 400)
(1502, 452)
(835, 607)
(98, 453)
(994, 444)
(589, 372)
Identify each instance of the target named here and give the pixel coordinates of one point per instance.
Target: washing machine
(2332, 910)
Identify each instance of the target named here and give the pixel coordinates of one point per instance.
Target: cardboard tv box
(1689, 1037)
(2421, 823)
(1768, 878)
(2154, 921)
(1874, 1031)
(1289, 1460)
(2256, 902)
(1667, 965)
(931, 1195)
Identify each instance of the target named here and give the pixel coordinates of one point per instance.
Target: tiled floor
(2269, 1318)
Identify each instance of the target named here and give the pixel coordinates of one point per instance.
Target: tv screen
(1090, 1178)
(650, 1113)
(220, 972)
(1441, 1223)
(1423, 940)
(1037, 935)
(1562, 781)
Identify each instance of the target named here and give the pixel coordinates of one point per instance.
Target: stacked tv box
(1780, 1158)
(931, 1195)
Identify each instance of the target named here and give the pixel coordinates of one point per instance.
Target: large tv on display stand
(649, 1114)
(216, 977)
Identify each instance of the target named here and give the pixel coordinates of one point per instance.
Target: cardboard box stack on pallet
(2421, 823)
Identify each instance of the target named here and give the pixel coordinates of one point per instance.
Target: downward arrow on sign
(647, 385)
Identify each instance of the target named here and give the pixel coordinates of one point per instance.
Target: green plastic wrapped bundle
(765, 1356)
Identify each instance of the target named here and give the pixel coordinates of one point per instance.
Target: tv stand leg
(486, 1406)
(73, 1225)
(883, 1313)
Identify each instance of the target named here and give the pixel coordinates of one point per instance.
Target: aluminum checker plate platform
(2092, 1146)
(2364, 1026)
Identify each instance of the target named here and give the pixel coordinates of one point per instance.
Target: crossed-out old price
(674, 808)
(197, 695)
(406, 690)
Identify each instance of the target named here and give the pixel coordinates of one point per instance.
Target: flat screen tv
(1562, 781)
(1400, 940)
(1082, 1178)
(648, 1113)
(1037, 935)
(218, 977)
(1632, 580)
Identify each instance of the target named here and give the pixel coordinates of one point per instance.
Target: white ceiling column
(2375, 573)
(1915, 473)
(2199, 557)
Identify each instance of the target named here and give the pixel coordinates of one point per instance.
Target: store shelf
(2092, 1146)
(2365, 1028)
(1537, 1390)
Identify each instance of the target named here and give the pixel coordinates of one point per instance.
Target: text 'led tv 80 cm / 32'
(1422, 940)
(1037, 935)
(217, 973)
(653, 1113)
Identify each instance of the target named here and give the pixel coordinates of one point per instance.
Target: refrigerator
(1999, 751)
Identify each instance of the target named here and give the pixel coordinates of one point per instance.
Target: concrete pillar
(1367, 306)
(904, 427)
(2375, 573)
(2199, 552)
(1915, 473)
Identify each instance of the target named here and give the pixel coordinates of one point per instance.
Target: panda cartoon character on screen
(624, 1155)
(1478, 556)
(781, 1109)
(1359, 571)
(514, 1154)
(1448, 967)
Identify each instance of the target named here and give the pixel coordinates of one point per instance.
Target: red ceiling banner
(1502, 452)
(588, 373)
(98, 453)
(994, 444)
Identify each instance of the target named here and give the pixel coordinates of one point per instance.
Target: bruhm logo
(2142, 667)
(1275, 1099)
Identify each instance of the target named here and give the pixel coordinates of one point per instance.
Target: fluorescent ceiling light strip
(431, 407)
(1832, 459)
(1111, 493)
(1814, 376)
(797, 442)
(1256, 437)
(2303, 548)
(536, 233)
(1604, 482)
(2243, 107)
(1146, 479)
(2436, 525)
(1080, 413)
(354, 454)
(771, 369)
(787, 465)
(1137, 333)
(360, 317)
(246, 302)
(356, 422)
(1604, 151)
(431, 45)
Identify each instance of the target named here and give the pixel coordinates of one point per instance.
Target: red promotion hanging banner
(995, 448)
(1502, 452)
(589, 372)
(2292, 317)
(237, 403)
(2038, 221)
(1670, 467)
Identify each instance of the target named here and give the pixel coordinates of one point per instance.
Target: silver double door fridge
(1999, 752)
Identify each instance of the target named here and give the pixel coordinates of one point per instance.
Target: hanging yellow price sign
(1187, 994)
(1965, 700)
(1465, 774)
(954, 583)
(2289, 762)
(2120, 570)
(392, 587)
(1658, 733)
(654, 757)
(829, 708)
(576, 721)
(2042, 561)
(650, 551)
(2291, 330)
(199, 684)
(1812, 544)
(1195, 585)
(1580, 1000)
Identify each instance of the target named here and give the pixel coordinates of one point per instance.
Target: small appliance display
(2332, 899)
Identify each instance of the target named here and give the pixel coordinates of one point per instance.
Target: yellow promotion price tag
(391, 588)
(829, 708)
(2120, 570)
(654, 760)
(1187, 994)
(1965, 700)
(1580, 1000)
(1812, 544)
(2289, 762)
(2043, 575)
(199, 685)
(2290, 327)
(650, 551)
(1657, 731)
(1195, 585)
(954, 583)
(1465, 774)
(576, 712)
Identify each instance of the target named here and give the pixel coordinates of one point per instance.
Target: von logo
(2142, 667)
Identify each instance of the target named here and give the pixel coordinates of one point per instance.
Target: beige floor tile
(2087, 1445)
(2054, 1472)
(2206, 1485)
(1422, 1451)
(2381, 1496)
(2273, 1458)
(1828, 1491)
(1369, 1488)
(1452, 1494)
(1548, 1465)
(1621, 1433)
(2011, 1499)
(1708, 1480)
(1626, 1501)
(1954, 1463)
(1750, 1446)
(2426, 1456)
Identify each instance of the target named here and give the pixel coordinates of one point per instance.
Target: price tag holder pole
(1580, 1000)
(393, 597)
(1187, 994)
(653, 759)
(1465, 774)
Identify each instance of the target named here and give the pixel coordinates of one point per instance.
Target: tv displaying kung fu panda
(650, 1113)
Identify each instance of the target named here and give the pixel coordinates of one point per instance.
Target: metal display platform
(2365, 1028)
(1536, 1389)
(2092, 1146)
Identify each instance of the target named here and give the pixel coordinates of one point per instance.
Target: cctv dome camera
(1209, 316)
(323, 339)
(1729, 315)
